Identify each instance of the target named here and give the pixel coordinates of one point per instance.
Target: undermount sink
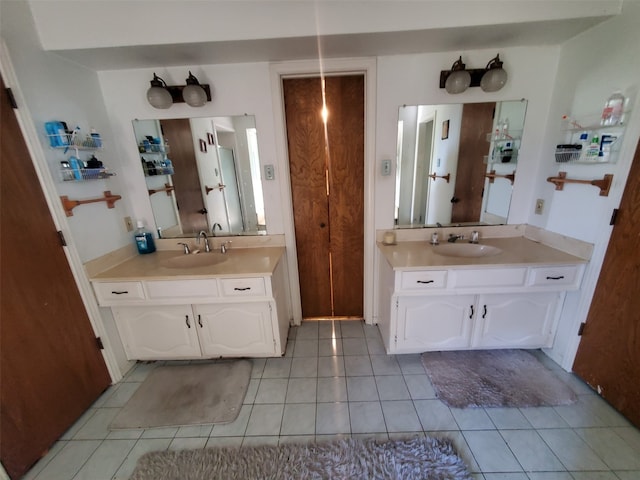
(194, 260)
(466, 250)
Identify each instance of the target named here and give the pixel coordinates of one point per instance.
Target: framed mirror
(202, 174)
(456, 163)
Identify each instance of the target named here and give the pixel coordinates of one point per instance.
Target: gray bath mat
(419, 458)
(187, 395)
(494, 378)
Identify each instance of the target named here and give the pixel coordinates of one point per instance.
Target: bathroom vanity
(505, 293)
(168, 305)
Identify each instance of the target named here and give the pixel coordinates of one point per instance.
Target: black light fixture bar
(176, 92)
(476, 76)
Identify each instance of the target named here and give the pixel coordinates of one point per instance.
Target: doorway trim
(313, 68)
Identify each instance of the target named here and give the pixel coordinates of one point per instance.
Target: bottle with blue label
(144, 239)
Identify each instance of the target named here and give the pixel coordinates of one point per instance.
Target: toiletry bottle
(613, 109)
(593, 150)
(95, 137)
(144, 239)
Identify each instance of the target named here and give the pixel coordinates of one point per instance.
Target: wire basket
(564, 155)
(70, 175)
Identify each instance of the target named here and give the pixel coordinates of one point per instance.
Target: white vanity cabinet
(163, 319)
(458, 308)
(158, 333)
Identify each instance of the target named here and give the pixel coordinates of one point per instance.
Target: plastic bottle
(613, 109)
(144, 239)
(76, 166)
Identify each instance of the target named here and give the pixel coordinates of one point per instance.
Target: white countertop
(239, 262)
(515, 251)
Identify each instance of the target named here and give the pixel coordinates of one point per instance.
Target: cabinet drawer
(500, 277)
(561, 275)
(182, 288)
(234, 287)
(423, 280)
(110, 293)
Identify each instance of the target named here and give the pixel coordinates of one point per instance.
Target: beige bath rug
(193, 394)
(494, 378)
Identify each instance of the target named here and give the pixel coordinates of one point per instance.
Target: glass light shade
(493, 80)
(194, 95)
(159, 97)
(457, 81)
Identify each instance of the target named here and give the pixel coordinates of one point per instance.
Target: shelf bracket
(167, 188)
(604, 184)
(69, 205)
(446, 177)
(492, 175)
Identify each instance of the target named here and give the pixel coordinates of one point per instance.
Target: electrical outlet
(129, 224)
(269, 172)
(539, 206)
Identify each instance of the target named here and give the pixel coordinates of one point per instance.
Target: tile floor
(336, 380)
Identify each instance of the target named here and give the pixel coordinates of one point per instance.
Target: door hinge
(614, 216)
(99, 343)
(581, 329)
(63, 241)
(395, 339)
(12, 99)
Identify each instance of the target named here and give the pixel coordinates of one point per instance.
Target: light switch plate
(128, 223)
(269, 172)
(386, 167)
(539, 206)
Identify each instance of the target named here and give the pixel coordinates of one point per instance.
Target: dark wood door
(477, 122)
(185, 179)
(608, 357)
(51, 369)
(327, 183)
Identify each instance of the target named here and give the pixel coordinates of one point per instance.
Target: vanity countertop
(515, 251)
(239, 262)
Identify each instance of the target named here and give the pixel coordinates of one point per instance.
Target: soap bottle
(613, 109)
(144, 239)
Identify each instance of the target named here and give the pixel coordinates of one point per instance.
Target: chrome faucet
(202, 233)
(223, 246)
(213, 228)
(452, 238)
(475, 237)
(186, 248)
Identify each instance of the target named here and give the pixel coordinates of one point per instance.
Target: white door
(516, 320)
(435, 323)
(235, 329)
(158, 332)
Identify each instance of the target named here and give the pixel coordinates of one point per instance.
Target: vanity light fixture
(491, 78)
(194, 94)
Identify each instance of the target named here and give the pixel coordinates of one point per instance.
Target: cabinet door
(235, 329)
(516, 320)
(158, 332)
(434, 323)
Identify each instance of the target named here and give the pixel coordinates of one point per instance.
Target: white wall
(237, 89)
(592, 66)
(413, 80)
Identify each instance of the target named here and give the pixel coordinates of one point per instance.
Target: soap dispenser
(144, 239)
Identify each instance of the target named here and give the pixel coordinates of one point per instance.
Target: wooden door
(608, 357)
(50, 366)
(185, 179)
(327, 184)
(477, 122)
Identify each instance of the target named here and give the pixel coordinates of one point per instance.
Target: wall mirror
(202, 174)
(456, 163)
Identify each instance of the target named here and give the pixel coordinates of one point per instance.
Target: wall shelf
(69, 205)
(604, 184)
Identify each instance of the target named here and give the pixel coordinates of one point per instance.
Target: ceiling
(459, 39)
